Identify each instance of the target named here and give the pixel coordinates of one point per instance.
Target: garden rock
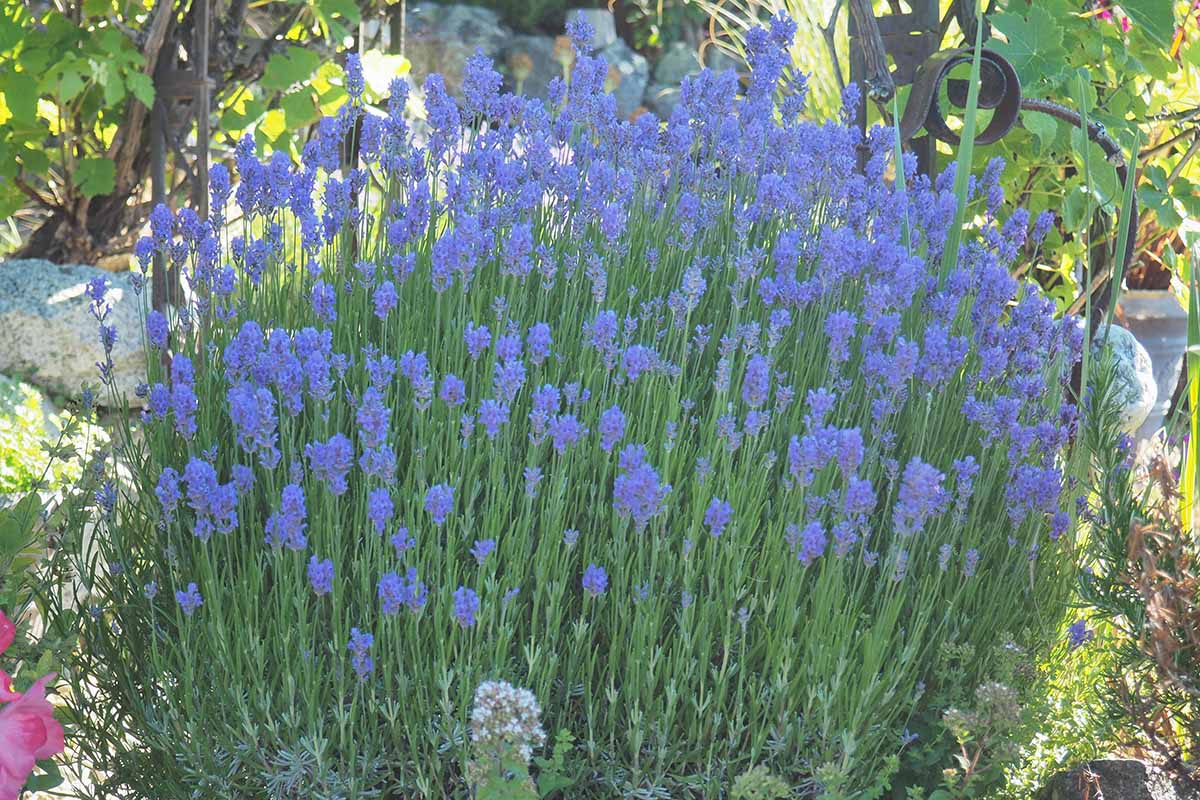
(718, 60)
(48, 335)
(440, 38)
(678, 62)
(530, 65)
(603, 23)
(662, 99)
(1136, 388)
(628, 74)
(1116, 779)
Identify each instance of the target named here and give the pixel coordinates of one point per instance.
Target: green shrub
(26, 424)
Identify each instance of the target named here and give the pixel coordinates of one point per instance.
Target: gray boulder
(1116, 779)
(628, 74)
(676, 63)
(662, 99)
(530, 65)
(718, 59)
(603, 23)
(1135, 387)
(440, 38)
(48, 335)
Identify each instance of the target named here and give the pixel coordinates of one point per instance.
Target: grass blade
(1124, 223)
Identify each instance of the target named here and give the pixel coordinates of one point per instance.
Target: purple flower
(320, 575)
(717, 516)
(812, 543)
(849, 451)
(359, 646)
(402, 542)
(612, 428)
(189, 600)
(331, 461)
(595, 580)
(539, 343)
(324, 301)
(214, 503)
(839, 327)
(508, 347)
(482, 549)
(756, 386)
(184, 403)
(466, 606)
(385, 299)
(167, 492)
(285, 527)
(1078, 634)
(492, 415)
(454, 391)
(637, 491)
(921, 496)
(395, 592)
(157, 330)
(971, 563)
(354, 76)
(162, 223)
(477, 339)
(508, 379)
(380, 509)
(637, 360)
(439, 502)
(566, 430)
(373, 418)
(533, 476)
(570, 537)
(253, 414)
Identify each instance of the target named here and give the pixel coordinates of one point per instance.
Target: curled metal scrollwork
(1000, 92)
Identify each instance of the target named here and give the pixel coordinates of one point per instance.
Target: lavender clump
(517, 317)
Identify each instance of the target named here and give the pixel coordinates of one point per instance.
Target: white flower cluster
(504, 714)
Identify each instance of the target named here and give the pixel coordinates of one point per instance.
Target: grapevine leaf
(1034, 46)
(96, 176)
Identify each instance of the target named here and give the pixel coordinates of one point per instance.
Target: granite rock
(48, 335)
(1116, 779)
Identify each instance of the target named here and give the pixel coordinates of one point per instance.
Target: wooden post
(202, 107)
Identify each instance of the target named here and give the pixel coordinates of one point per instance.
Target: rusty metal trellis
(182, 96)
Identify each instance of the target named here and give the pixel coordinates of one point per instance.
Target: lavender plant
(683, 427)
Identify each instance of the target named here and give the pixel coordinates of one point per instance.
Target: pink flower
(28, 730)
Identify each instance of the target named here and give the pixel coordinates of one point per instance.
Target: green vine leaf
(96, 176)
(1034, 46)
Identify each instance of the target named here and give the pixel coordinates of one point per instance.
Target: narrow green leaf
(898, 157)
(1124, 223)
(965, 150)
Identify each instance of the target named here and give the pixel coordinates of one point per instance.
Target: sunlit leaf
(95, 176)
